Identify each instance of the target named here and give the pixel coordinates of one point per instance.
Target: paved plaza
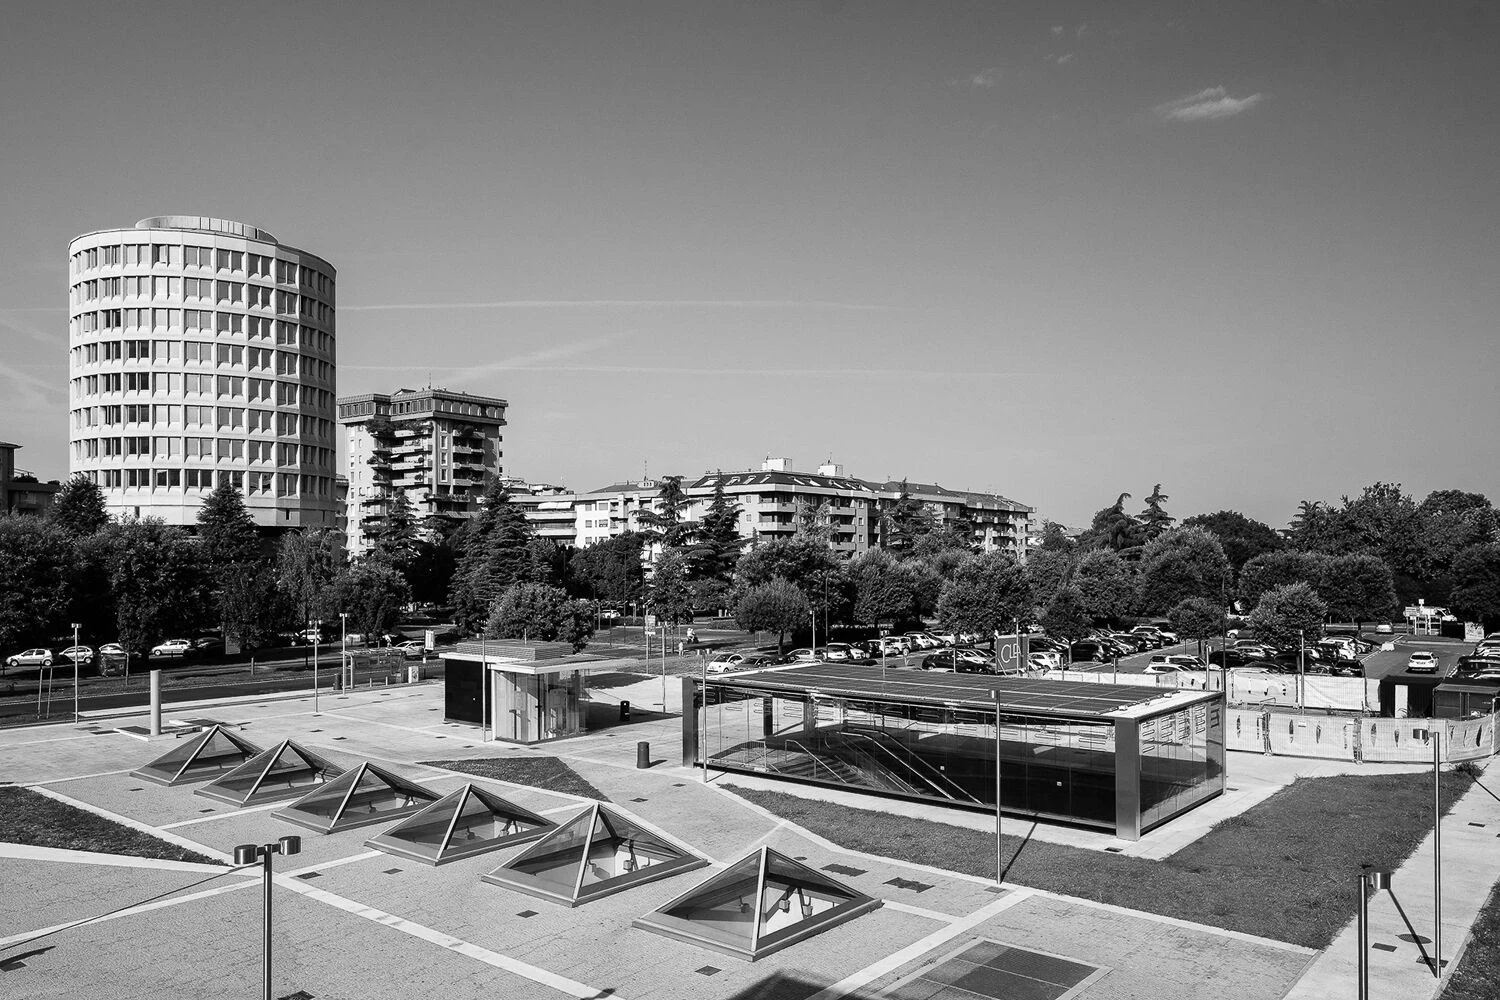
(357, 923)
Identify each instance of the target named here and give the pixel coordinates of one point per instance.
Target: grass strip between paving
(27, 817)
(1284, 869)
(548, 773)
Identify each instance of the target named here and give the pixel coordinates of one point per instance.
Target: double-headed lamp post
(344, 647)
(74, 658)
(316, 625)
(248, 854)
(1368, 880)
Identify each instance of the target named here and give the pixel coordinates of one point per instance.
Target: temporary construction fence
(1245, 688)
(1359, 739)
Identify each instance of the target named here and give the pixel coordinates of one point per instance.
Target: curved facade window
(223, 340)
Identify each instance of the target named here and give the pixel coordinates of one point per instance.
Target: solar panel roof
(1017, 694)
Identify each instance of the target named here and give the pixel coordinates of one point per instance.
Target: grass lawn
(1474, 979)
(27, 817)
(538, 772)
(1283, 869)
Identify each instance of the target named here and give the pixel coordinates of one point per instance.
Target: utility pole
(74, 658)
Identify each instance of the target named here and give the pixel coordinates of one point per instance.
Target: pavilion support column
(1128, 779)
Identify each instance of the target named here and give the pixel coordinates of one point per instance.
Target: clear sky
(1060, 250)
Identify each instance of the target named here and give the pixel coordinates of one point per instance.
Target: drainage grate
(845, 870)
(638, 800)
(1115, 850)
(524, 914)
(1480, 825)
(306, 876)
(906, 883)
(299, 995)
(708, 970)
(390, 871)
(1382, 946)
(997, 972)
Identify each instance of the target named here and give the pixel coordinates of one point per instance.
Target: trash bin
(642, 755)
(624, 711)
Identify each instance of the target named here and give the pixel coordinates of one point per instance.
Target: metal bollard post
(156, 703)
(642, 755)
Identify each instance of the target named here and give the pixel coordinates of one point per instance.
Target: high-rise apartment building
(439, 448)
(202, 350)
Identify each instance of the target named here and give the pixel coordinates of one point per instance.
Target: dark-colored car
(1088, 651)
(1227, 658)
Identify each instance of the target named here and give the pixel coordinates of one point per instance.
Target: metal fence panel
(1311, 736)
(1246, 730)
(1396, 740)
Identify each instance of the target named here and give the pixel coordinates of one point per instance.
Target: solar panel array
(1017, 694)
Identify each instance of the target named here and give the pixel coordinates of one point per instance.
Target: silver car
(30, 658)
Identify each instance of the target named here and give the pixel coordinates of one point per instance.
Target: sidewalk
(1471, 865)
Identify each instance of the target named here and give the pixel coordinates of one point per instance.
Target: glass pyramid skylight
(358, 797)
(285, 771)
(207, 755)
(461, 824)
(760, 904)
(591, 855)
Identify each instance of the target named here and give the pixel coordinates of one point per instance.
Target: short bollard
(642, 755)
(624, 711)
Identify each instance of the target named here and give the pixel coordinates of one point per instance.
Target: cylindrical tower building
(202, 350)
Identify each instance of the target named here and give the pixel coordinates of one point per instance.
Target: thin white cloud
(1206, 105)
(824, 373)
(12, 319)
(616, 304)
(1066, 58)
(1057, 31)
(984, 78)
(27, 390)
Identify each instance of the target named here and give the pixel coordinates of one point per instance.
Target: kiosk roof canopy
(1016, 694)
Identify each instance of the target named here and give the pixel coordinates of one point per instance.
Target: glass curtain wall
(1182, 761)
(1050, 767)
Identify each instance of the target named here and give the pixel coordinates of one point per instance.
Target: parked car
(1384, 628)
(946, 638)
(208, 646)
(1088, 652)
(802, 655)
(962, 662)
(921, 640)
(1254, 651)
(1137, 643)
(609, 616)
(838, 651)
(78, 654)
(1421, 662)
(1163, 663)
(757, 661)
(172, 647)
(1046, 659)
(724, 662)
(1151, 633)
(1227, 658)
(30, 658)
(412, 649)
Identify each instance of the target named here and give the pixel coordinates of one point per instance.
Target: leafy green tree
(1155, 519)
(1476, 588)
(1288, 614)
(261, 608)
(665, 520)
(306, 563)
(1357, 588)
(1113, 528)
(987, 594)
(1451, 521)
(226, 531)
(159, 579)
(774, 606)
(904, 521)
(718, 540)
(494, 554)
(1317, 527)
(1242, 538)
(1054, 538)
(1276, 569)
(433, 565)
(1065, 617)
(814, 518)
(610, 570)
(1105, 584)
(537, 612)
(549, 562)
(801, 561)
(1385, 521)
(926, 584)
(372, 594)
(78, 508)
(669, 596)
(35, 559)
(394, 538)
(1050, 570)
(1199, 619)
(1181, 563)
(950, 538)
(884, 588)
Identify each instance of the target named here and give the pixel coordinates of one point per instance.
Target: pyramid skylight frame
(444, 831)
(200, 758)
(795, 903)
(593, 854)
(362, 796)
(286, 771)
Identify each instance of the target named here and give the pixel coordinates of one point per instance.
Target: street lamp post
(246, 855)
(1367, 880)
(317, 629)
(344, 647)
(999, 849)
(74, 658)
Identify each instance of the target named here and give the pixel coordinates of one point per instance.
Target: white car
(1422, 662)
(722, 663)
(921, 640)
(78, 654)
(1044, 660)
(1172, 664)
(889, 646)
(803, 655)
(172, 647)
(946, 638)
(30, 658)
(412, 649)
(838, 651)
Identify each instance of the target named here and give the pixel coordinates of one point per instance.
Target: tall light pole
(1437, 855)
(999, 849)
(344, 647)
(74, 658)
(246, 855)
(1367, 881)
(317, 626)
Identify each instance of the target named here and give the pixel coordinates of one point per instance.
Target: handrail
(933, 778)
(816, 760)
